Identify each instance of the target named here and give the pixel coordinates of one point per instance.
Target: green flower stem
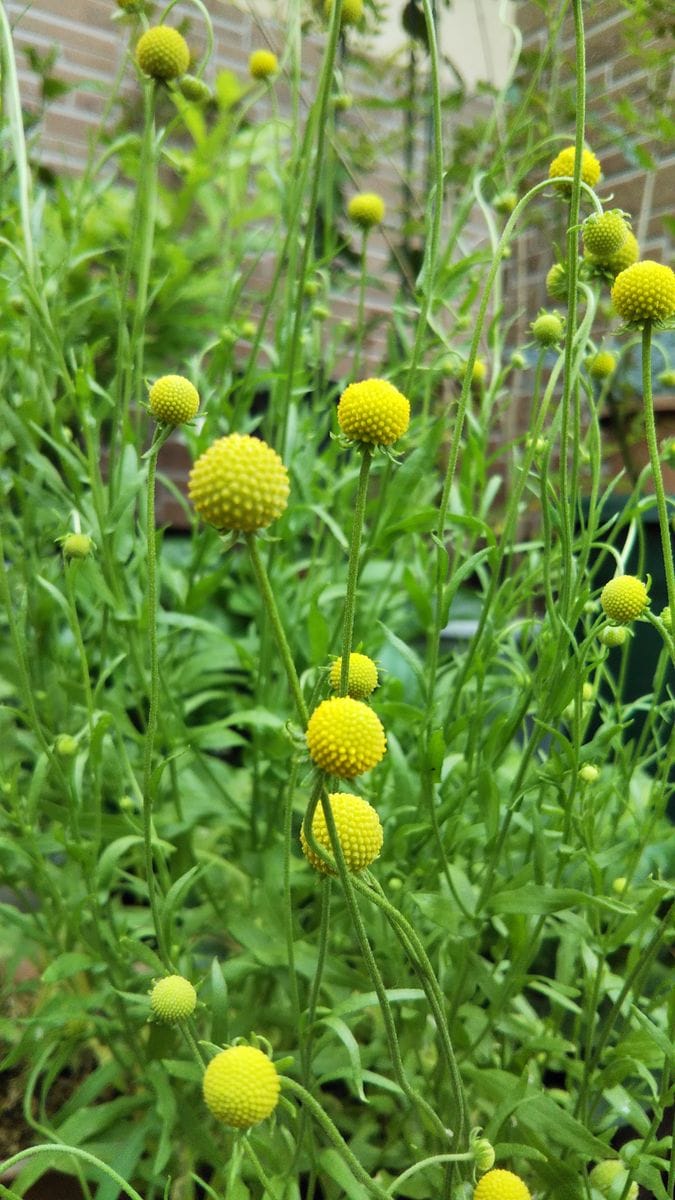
(353, 569)
(319, 123)
(414, 947)
(334, 1136)
(15, 122)
(153, 707)
(325, 886)
(268, 1190)
(288, 897)
(570, 386)
(374, 972)
(431, 257)
(188, 1034)
(360, 318)
(272, 611)
(77, 634)
(76, 1153)
(435, 1159)
(661, 502)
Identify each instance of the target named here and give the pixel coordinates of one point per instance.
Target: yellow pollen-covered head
(173, 399)
(362, 679)
(239, 484)
(501, 1185)
(162, 53)
(358, 828)
(345, 737)
(373, 411)
(624, 598)
(644, 292)
(366, 209)
(241, 1086)
(563, 165)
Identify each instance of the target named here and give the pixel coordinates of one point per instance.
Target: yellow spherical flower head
(162, 53)
(362, 679)
(501, 1185)
(602, 365)
(373, 411)
(241, 1086)
(628, 254)
(262, 64)
(624, 599)
(77, 545)
(239, 484)
(173, 399)
(609, 1177)
(366, 209)
(352, 11)
(563, 164)
(605, 233)
(644, 292)
(173, 999)
(345, 737)
(358, 829)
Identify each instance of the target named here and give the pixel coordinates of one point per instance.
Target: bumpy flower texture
(624, 599)
(241, 1086)
(358, 828)
(366, 209)
(345, 737)
(644, 292)
(605, 233)
(239, 484)
(173, 399)
(162, 53)
(173, 998)
(501, 1185)
(602, 364)
(352, 11)
(362, 678)
(563, 164)
(548, 329)
(262, 64)
(373, 411)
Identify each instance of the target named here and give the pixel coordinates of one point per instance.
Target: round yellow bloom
(358, 828)
(624, 598)
(77, 545)
(366, 209)
(239, 483)
(501, 1185)
(352, 11)
(602, 365)
(605, 233)
(563, 164)
(173, 399)
(241, 1086)
(262, 64)
(362, 678)
(345, 737)
(644, 292)
(173, 998)
(163, 53)
(556, 282)
(548, 329)
(609, 1177)
(373, 411)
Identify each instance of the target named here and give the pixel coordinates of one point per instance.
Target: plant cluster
(335, 853)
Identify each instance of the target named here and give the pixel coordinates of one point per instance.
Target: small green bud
(588, 773)
(65, 745)
(195, 89)
(77, 545)
(619, 885)
(518, 361)
(613, 635)
(320, 312)
(505, 202)
(548, 329)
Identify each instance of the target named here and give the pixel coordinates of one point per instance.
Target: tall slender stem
(661, 502)
(360, 319)
(153, 706)
(272, 611)
(353, 569)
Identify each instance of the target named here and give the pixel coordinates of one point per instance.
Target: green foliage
(504, 963)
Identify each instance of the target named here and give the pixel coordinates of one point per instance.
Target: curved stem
(153, 707)
(272, 611)
(661, 502)
(353, 569)
(76, 1153)
(333, 1134)
(427, 1162)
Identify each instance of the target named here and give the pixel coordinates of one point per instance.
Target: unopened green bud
(77, 545)
(65, 745)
